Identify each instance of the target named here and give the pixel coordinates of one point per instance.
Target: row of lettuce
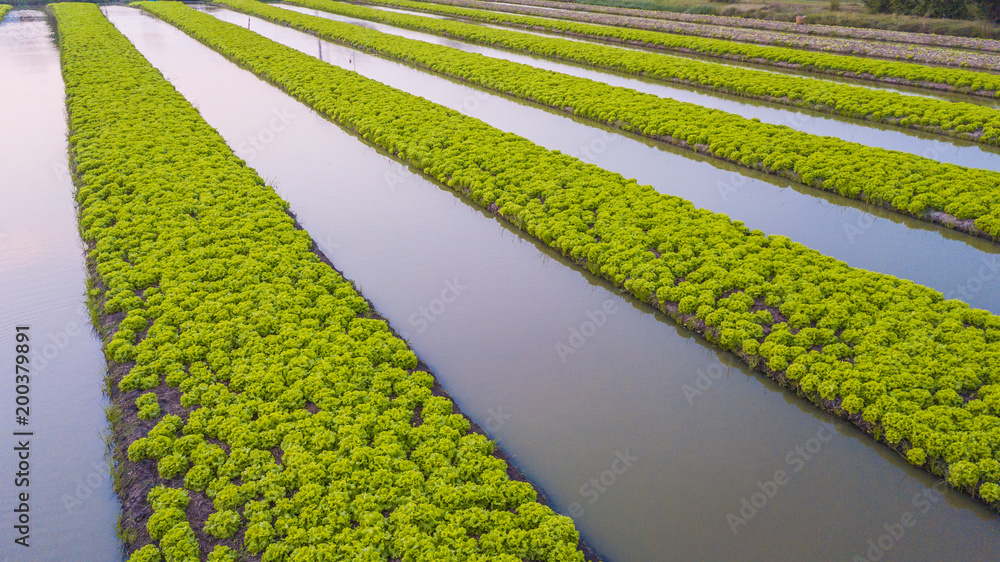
(302, 430)
(776, 25)
(957, 119)
(891, 72)
(758, 36)
(908, 183)
(920, 372)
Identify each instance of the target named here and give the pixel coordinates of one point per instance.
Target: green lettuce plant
(891, 343)
(297, 405)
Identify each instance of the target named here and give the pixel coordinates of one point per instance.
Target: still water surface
(859, 234)
(936, 147)
(567, 418)
(72, 508)
(979, 100)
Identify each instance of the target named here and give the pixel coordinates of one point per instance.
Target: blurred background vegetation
(970, 18)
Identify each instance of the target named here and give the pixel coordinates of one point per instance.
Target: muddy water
(764, 67)
(649, 469)
(860, 235)
(936, 147)
(71, 509)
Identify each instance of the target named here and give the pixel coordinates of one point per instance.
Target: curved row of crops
(962, 120)
(4, 8)
(277, 417)
(893, 72)
(777, 25)
(758, 36)
(907, 183)
(918, 371)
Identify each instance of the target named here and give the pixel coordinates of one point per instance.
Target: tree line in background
(954, 9)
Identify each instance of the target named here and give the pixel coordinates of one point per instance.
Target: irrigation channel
(900, 89)
(908, 90)
(71, 510)
(585, 389)
(862, 235)
(871, 134)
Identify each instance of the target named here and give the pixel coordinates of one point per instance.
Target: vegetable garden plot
(962, 198)
(953, 151)
(934, 93)
(890, 355)
(296, 414)
(691, 470)
(924, 54)
(871, 238)
(961, 120)
(791, 27)
(892, 72)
